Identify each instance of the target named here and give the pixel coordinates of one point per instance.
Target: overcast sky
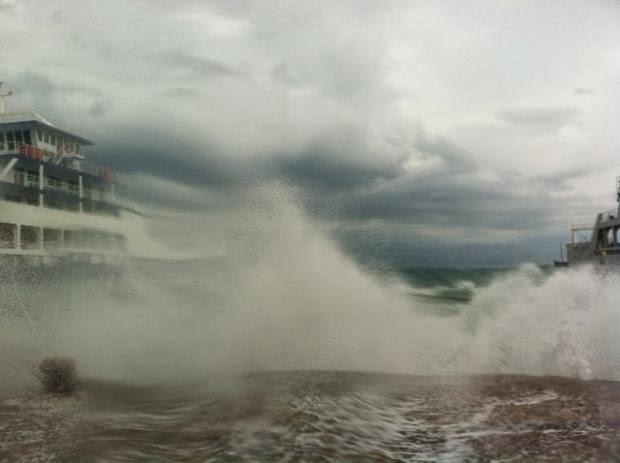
(408, 127)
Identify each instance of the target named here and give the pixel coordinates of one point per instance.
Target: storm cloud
(551, 117)
(396, 123)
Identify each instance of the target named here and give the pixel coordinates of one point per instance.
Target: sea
(290, 350)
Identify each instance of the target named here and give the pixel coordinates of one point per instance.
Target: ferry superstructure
(598, 244)
(54, 207)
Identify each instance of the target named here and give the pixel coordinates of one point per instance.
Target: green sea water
(458, 286)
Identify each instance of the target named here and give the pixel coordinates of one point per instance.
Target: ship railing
(26, 179)
(95, 194)
(23, 179)
(613, 250)
(38, 154)
(92, 169)
(31, 180)
(61, 187)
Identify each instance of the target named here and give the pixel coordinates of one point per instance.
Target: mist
(263, 287)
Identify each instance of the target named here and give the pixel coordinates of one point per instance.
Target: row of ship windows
(34, 238)
(12, 139)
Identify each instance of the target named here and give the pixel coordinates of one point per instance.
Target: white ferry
(54, 207)
(598, 243)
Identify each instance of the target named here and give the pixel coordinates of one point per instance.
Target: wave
(285, 297)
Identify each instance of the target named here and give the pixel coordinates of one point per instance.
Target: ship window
(51, 238)
(27, 139)
(39, 135)
(10, 141)
(32, 179)
(47, 137)
(56, 184)
(72, 239)
(77, 148)
(104, 240)
(1, 141)
(53, 139)
(18, 176)
(121, 242)
(7, 235)
(88, 239)
(30, 237)
(18, 137)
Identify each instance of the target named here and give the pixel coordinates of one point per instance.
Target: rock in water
(58, 375)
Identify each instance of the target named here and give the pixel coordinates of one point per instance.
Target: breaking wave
(283, 296)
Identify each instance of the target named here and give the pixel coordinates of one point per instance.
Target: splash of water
(285, 297)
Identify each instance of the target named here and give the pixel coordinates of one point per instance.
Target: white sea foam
(565, 324)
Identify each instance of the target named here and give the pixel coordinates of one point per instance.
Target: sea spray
(285, 297)
(562, 324)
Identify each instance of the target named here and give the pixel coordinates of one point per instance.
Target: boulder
(58, 375)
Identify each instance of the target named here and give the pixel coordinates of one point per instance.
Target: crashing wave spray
(285, 297)
(565, 324)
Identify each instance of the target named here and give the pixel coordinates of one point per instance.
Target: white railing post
(41, 181)
(80, 192)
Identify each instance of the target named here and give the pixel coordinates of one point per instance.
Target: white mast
(2, 97)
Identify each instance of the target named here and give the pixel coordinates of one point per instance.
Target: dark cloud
(195, 66)
(336, 162)
(353, 190)
(100, 107)
(456, 159)
(140, 150)
(337, 106)
(558, 181)
(381, 246)
(449, 201)
(549, 116)
(318, 170)
(455, 192)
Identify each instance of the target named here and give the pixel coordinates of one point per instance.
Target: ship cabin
(601, 241)
(50, 198)
(43, 165)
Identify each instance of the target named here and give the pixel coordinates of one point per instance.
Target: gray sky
(407, 126)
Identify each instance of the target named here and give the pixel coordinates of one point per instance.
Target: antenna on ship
(2, 97)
